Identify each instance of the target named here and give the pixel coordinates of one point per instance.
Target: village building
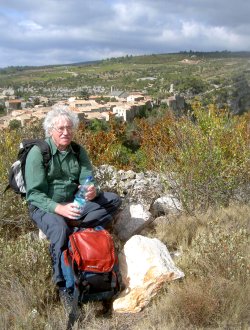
(25, 119)
(13, 104)
(128, 111)
(118, 95)
(135, 97)
(26, 116)
(146, 78)
(17, 113)
(97, 115)
(176, 103)
(125, 111)
(86, 106)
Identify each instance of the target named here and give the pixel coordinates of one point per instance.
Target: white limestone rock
(145, 265)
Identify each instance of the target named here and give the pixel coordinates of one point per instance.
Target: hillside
(202, 162)
(223, 77)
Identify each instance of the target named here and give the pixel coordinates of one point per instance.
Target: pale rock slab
(41, 235)
(132, 219)
(167, 204)
(145, 265)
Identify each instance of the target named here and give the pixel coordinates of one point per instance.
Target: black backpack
(17, 170)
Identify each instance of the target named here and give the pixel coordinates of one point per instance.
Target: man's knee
(117, 200)
(113, 198)
(56, 228)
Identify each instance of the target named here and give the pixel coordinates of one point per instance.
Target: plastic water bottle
(79, 199)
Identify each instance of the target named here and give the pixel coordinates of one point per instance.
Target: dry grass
(213, 295)
(215, 258)
(199, 304)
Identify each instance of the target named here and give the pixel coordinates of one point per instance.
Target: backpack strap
(44, 148)
(76, 149)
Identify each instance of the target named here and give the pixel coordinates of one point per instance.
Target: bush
(208, 158)
(205, 154)
(15, 124)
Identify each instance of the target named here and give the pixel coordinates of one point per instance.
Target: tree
(15, 124)
(84, 94)
(97, 125)
(36, 101)
(2, 108)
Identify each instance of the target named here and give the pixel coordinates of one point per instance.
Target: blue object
(67, 273)
(79, 200)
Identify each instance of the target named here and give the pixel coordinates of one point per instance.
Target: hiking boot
(106, 310)
(107, 307)
(67, 299)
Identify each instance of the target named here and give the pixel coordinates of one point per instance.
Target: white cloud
(223, 37)
(133, 15)
(29, 26)
(191, 29)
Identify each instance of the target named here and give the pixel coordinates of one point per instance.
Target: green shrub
(209, 159)
(15, 124)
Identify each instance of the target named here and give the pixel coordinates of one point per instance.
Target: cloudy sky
(69, 31)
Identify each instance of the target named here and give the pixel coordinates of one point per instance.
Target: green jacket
(57, 184)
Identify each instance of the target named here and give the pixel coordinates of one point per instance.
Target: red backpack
(91, 255)
(93, 250)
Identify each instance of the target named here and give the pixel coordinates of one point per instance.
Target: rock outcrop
(144, 198)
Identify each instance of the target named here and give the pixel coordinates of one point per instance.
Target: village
(123, 105)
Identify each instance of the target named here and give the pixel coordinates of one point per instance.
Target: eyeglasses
(61, 129)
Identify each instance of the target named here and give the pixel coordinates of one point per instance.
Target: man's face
(62, 133)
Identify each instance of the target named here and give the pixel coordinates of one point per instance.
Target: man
(50, 192)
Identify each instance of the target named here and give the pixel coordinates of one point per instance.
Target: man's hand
(91, 193)
(70, 210)
(67, 210)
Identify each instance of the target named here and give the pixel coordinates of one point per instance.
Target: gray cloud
(57, 32)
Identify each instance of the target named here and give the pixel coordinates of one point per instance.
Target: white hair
(53, 116)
